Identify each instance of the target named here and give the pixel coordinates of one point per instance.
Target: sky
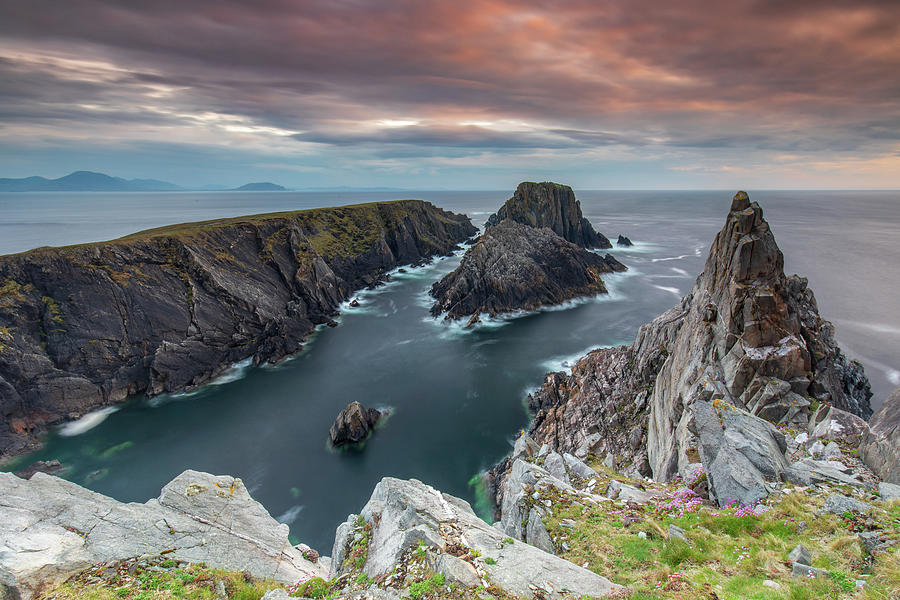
(468, 94)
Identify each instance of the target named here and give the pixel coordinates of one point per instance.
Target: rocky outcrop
(86, 326)
(408, 526)
(353, 425)
(51, 529)
(624, 242)
(880, 445)
(517, 267)
(747, 343)
(553, 206)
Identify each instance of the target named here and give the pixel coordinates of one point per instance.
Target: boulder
(805, 571)
(53, 529)
(553, 206)
(830, 423)
(403, 512)
(624, 242)
(353, 425)
(880, 445)
(837, 504)
(629, 493)
(556, 466)
(800, 555)
(889, 491)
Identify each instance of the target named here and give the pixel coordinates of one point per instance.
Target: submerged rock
(353, 425)
(553, 206)
(624, 242)
(51, 529)
(517, 267)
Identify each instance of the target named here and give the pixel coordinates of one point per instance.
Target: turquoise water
(456, 396)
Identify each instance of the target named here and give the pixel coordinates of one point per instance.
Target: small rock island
(532, 254)
(353, 425)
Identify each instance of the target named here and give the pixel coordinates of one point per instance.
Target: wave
(87, 422)
(290, 515)
(671, 290)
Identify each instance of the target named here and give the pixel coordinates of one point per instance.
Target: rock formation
(353, 425)
(704, 382)
(880, 444)
(86, 326)
(51, 529)
(624, 242)
(407, 523)
(550, 205)
(517, 267)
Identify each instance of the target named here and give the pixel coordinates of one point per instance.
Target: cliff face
(85, 326)
(553, 206)
(746, 337)
(517, 267)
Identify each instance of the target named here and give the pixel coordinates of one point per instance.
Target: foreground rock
(51, 529)
(86, 326)
(553, 206)
(353, 425)
(408, 528)
(517, 267)
(880, 445)
(703, 381)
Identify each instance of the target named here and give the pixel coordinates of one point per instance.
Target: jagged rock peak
(746, 339)
(552, 205)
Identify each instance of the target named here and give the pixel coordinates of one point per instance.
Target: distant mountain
(260, 186)
(86, 181)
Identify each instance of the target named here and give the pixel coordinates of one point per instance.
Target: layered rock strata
(550, 205)
(51, 529)
(86, 326)
(704, 382)
(517, 267)
(880, 443)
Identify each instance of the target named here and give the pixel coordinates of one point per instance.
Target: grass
(164, 581)
(731, 551)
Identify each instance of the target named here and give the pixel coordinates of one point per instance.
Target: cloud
(648, 78)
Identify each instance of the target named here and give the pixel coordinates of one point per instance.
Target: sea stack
(550, 205)
(624, 242)
(532, 254)
(706, 382)
(353, 425)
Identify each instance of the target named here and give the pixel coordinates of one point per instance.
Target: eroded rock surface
(880, 445)
(51, 529)
(746, 338)
(353, 425)
(518, 267)
(553, 206)
(411, 521)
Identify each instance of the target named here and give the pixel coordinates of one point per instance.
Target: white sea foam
(635, 248)
(290, 515)
(893, 375)
(667, 258)
(671, 290)
(681, 272)
(87, 422)
(236, 371)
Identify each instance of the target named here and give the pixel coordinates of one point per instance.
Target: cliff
(517, 267)
(86, 326)
(553, 206)
(746, 348)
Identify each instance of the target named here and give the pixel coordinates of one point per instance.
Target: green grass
(190, 582)
(729, 555)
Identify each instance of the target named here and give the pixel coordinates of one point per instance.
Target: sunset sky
(463, 94)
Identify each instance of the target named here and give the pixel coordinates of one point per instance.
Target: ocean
(457, 397)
